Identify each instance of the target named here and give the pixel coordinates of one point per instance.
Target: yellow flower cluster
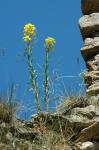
(29, 32)
(27, 39)
(49, 43)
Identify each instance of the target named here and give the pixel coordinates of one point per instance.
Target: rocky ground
(74, 126)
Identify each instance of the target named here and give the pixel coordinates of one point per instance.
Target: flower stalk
(46, 80)
(33, 77)
(49, 45)
(29, 34)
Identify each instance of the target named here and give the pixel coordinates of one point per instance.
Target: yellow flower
(30, 29)
(49, 43)
(27, 39)
(29, 32)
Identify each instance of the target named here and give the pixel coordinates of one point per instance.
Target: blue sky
(56, 18)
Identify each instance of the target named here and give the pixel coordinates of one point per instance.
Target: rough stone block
(89, 6)
(89, 25)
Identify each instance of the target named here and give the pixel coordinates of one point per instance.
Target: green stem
(33, 78)
(46, 85)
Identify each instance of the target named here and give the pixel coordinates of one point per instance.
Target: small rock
(9, 136)
(87, 146)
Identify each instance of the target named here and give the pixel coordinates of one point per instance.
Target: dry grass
(71, 103)
(7, 106)
(51, 140)
(6, 112)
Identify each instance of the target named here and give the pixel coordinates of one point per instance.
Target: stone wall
(89, 27)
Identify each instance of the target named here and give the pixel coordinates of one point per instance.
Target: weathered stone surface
(93, 63)
(89, 25)
(89, 112)
(89, 51)
(77, 119)
(79, 122)
(87, 146)
(70, 104)
(22, 132)
(84, 121)
(90, 133)
(91, 41)
(23, 129)
(71, 121)
(89, 6)
(87, 138)
(83, 117)
(91, 77)
(93, 89)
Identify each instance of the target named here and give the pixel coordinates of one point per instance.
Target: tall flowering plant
(29, 35)
(49, 46)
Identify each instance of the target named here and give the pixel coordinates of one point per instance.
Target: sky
(55, 18)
